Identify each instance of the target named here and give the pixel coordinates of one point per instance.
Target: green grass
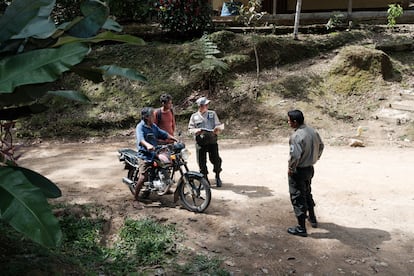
(140, 246)
(146, 242)
(204, 265)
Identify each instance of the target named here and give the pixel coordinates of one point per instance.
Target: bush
(394, 11)
(66, 10)
(184, 16)
(132, 10)
(123, 10)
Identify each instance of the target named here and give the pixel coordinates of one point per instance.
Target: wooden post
(274, 7)
(297, 17)
(349, 14)
(349, 8)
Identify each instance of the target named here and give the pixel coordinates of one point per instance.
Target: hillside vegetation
(339, 79)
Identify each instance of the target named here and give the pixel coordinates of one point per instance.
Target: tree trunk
(256, 55)
(297, 17)
(349, 9)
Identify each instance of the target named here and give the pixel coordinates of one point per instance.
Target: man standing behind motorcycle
(147, 135)
(306, 148)
(205, 125)
(164, 116)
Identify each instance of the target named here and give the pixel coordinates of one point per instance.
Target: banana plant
(34, 53)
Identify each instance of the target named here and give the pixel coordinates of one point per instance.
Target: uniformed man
(205, 125)
(306, 148)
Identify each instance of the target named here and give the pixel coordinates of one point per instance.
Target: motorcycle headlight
(185, 153)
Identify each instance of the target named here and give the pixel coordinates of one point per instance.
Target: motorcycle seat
(128, 155)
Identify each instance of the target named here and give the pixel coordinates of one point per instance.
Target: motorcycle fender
(198, 174)
(181, 182)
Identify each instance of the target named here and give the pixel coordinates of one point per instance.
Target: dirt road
(364, 196)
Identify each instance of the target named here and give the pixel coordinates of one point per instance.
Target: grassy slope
(292, 75)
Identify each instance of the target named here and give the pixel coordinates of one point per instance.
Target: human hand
(218, 129)
(198, 131)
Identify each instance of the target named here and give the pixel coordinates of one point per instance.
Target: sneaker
(218, 182)
(297, 231)
(313, 222)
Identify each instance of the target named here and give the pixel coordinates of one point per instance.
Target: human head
(202, 101)
(295, 118)
(202, 104)
(147, 114)
(165, 98)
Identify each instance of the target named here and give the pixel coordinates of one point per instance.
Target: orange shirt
(167, 121)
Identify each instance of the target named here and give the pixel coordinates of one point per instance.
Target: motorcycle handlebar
(172, 147)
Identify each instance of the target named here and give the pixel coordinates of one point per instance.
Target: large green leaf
(95, 14)
(25, 207)
(112, 70)
(101, 37)
(27, 94)
(112, 25)
(47, 187)
(25, 18)
(38, 66)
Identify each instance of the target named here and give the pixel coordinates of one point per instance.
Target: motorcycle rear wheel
(195, 193)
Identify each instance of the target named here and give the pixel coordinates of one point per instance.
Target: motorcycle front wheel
(195, 193)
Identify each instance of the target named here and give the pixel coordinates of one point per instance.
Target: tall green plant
(251, 15)
(35, 53)
(208, 66)
(336, 19)
(132, 10)
(394, 11)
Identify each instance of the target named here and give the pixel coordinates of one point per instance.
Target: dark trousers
(213, 155)
(301, 192)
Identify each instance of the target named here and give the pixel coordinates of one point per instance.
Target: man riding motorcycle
(147, 135)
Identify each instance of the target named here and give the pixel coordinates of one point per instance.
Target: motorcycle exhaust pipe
(127, 181)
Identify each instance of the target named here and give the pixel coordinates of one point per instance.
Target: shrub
(183, 16)
(131, 10)
(66, 10)
(394, 11)
(123, 10)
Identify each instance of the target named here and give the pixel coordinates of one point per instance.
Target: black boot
(299, 230)
(218, 180)
(312, 218)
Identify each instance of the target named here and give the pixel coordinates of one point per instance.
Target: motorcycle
(191, 187)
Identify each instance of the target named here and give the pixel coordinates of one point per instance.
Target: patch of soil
(364, 204)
